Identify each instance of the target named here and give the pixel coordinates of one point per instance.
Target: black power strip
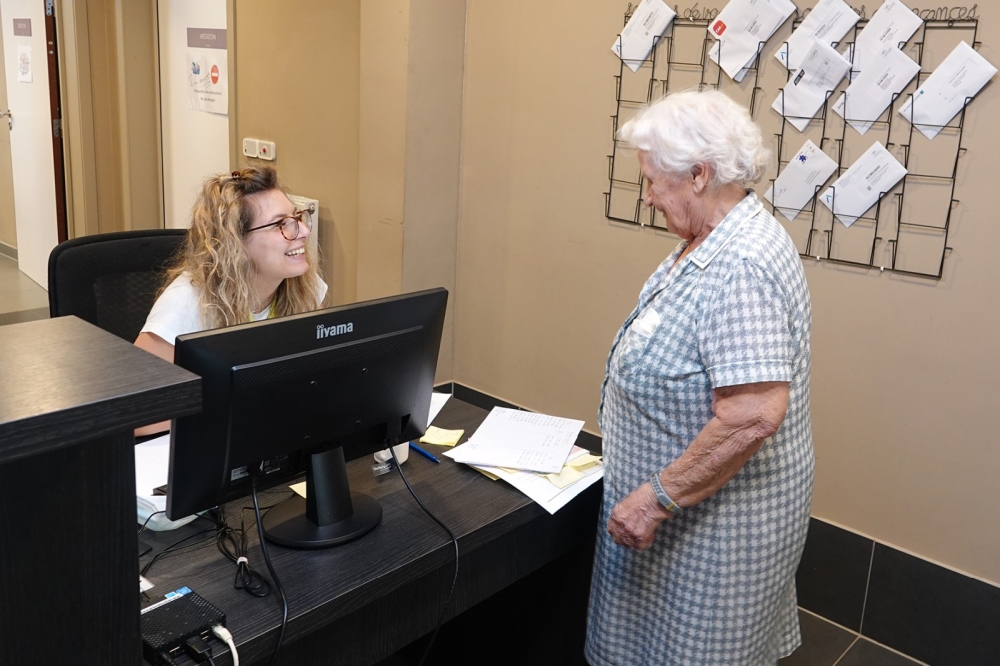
(168, 623)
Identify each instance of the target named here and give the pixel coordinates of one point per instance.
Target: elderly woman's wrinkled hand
(634, 520)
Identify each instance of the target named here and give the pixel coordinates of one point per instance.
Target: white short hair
(687, 128)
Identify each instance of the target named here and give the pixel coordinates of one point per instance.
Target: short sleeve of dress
(746, 334)
(175, 312)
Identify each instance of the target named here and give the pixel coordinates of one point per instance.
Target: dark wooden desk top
(65, 381)
(502, 535)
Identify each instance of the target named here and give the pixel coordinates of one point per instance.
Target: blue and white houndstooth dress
(717, 587)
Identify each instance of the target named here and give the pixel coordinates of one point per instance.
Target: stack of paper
(891, 26)
(959, 78)
(741, 28)
(647, 23)
(873, 175)
(551, 491)
(799, 180)
(520, 440)
(822, 70)
(828, 22)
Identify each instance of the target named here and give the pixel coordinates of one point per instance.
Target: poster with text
(208, 84)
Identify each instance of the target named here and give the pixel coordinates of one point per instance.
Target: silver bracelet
(661, 495)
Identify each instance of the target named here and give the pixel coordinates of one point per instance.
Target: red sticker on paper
(215, 73)
(719, 28)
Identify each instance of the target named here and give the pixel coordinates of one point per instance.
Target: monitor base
(286, 524)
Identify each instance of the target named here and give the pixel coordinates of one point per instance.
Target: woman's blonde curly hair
(215, 258)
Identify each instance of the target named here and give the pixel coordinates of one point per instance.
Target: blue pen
(425, 454)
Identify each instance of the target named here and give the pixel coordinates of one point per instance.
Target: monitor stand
(329, 515)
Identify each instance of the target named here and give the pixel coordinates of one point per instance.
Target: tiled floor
(21, 299)
(826, 644)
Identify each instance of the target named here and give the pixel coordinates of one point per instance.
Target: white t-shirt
(177, 310)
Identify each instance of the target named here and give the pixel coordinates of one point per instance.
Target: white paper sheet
(739, 30)
(872, 90)
(24, 74)
(647, 23)
(822, 70)
(540, 489)
(872, 175)
(962, 74)
(438, 401)
(795, 187)
(828, 22)
(152, 466)
(520, 440)
(894, 23)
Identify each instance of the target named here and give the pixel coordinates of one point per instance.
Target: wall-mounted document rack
(894, 234)
(882, 238)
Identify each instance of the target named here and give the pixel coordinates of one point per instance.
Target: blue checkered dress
(717, 588)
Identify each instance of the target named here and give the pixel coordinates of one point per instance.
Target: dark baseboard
(920, 608)
(8, 251)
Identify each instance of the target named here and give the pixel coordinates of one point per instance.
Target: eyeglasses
(289, 225)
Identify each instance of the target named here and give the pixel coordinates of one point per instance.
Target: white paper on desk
(962, 74)
(872, 175)
(795, 187)
(647, 23)
(873, 89)
(822, 70)
(518, 439)
(152, 468)
(540, 489)
(893, 24)
(740, 28)
(438, 401)
(828, 22)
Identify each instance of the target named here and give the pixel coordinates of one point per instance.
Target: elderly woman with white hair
(705, 412)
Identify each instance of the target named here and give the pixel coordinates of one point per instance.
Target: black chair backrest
(111, 280)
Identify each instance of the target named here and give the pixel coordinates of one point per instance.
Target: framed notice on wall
(207, 71)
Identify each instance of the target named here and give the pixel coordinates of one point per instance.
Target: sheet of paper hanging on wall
(961, 76)
(795, 187)
(24, 63)
(822, 71)
(739, 30)
(645, 26)
(208, 81)
(872, 91)
(871, 176)
(828, 22)
(892, 25)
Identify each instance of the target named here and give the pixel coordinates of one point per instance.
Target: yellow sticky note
(586, 460)
(299, 488)
(441, 437)
(567, 476)
(488, 475)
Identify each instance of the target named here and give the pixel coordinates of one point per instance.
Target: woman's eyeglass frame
(300, 217)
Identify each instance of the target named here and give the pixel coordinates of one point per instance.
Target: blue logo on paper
(803, 158)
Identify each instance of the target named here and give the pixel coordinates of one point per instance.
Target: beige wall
(8, 229)
(905, 370)
(302, 92)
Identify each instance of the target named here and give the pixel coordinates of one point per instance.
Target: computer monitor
(304, 393)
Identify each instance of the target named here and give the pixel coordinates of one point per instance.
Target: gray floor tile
(866, 653)
(23, 316)
(823, 643)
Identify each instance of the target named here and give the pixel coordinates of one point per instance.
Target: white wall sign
(24, 63)
(208, 84)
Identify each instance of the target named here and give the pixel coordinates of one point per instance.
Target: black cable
(147, 521)
(270, 569)
(173, 550)
(454, 541)
(211, 662)
(234, 543)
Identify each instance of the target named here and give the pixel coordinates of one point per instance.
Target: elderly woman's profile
(705, 412)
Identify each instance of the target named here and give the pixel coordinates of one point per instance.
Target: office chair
(111, 280)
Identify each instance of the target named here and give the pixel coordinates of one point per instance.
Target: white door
(8, 234)
(27, 82)
(195, 143)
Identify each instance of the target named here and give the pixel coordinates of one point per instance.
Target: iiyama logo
(337, 329)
